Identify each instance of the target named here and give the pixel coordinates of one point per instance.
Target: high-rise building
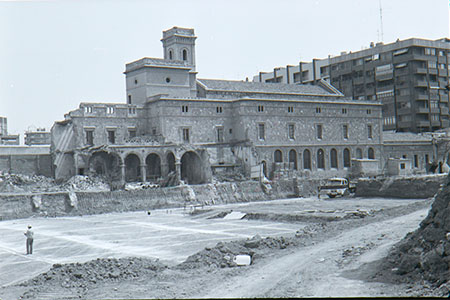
(409, 77)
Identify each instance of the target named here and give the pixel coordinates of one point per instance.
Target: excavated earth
(322, 246)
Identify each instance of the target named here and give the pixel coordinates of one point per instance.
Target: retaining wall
(13, 206)
(419, 187)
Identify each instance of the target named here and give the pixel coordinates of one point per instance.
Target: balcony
(436, 123)
(421, 97)
(443, 72)
(434, 110)
(423, 123)
(421, 83)
(423, 110)
(444, 110)
(432, 71)
(445, 123)
(420, 70)
(420, 57)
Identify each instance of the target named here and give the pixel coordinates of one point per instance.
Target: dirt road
(313, 263)
(316, 271)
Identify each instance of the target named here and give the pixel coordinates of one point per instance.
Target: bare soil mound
(424, 255)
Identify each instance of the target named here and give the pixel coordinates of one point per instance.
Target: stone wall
(83, 203)
(424, 186)
(39, 164)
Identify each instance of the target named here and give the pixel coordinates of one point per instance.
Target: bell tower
(179, 44)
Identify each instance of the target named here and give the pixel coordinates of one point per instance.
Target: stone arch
(278, 156)
(184, 54)
(132, 168)
(170, 157)
(359, 154)
(105, 164)
(371, 153)
(192, 168)
(153, 162)
(293, 158)
(346, 158)
(333, 159)
(320, 159)
(307, 159)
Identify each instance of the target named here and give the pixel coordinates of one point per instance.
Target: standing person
(29, 234)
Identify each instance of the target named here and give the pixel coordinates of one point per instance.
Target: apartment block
(410, 78)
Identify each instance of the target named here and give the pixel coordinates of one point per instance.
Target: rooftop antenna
(381, 21)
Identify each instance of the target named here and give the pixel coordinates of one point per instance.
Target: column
(144, 172)
(178, 169)
(122, 174)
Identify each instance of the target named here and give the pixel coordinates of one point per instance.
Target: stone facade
(174, 123)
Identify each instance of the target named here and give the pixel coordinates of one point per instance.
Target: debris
(242, 260)
(234, 215)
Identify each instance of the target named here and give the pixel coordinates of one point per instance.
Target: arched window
(333, 159)
(278, 156)
(307, 159)
(293, 158)
(170, 54)
(184, 54)
(320, 159)
(264, 166)
(346, 158)
(358, 153)
(371, 153)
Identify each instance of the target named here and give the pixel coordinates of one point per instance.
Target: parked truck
(336, 187)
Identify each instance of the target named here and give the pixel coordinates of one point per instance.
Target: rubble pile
(223, 254)
(19, 183)
(424, 255)
(85, 183)
(75, 275)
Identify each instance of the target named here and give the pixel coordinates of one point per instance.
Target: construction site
(206, 188)
(222, 240)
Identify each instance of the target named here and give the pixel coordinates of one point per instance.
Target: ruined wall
(27, 164)
(424, 186)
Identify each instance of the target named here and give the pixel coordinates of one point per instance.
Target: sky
(56, 54)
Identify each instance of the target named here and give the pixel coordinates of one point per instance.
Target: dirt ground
(333, 253)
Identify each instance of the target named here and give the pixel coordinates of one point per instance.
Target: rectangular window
(290, 109)
(369, 111)
(132, 110)
(219, 132)
(88, 109)
(344, 110)
(345, 131)
(261, 132)
(186, 135)
(291, 131)
(319, 132)
(431, 65)
(260, 108)
(90, 137)
(184, 108)
(416, 161)
(318, 110)
(219, 109)
(110, 110)
(111, 136)
(129, 99)
(369, 131)
(131, 133)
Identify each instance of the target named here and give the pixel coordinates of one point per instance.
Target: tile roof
(389, 136)
(260, 87)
